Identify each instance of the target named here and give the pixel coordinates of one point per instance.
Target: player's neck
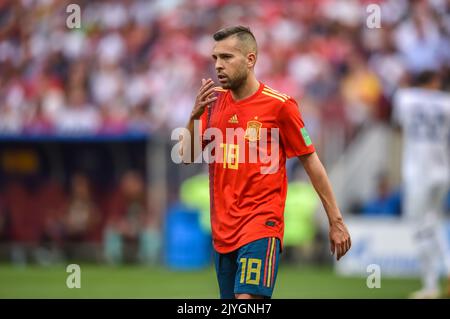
(249, 88)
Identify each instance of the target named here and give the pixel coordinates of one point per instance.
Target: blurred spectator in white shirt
(78, 116)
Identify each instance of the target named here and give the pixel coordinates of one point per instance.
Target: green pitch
(158, 282)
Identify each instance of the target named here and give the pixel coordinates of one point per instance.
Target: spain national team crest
(253, 131)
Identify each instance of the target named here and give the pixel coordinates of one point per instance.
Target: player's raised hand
(203, 99)
(339, 239)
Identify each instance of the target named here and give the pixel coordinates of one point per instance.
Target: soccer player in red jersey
(249, 129)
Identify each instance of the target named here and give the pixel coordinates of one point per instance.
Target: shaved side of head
(247, 41)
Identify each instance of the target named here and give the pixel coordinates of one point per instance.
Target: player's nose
(218, 66)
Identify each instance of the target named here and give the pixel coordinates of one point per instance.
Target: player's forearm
(319, 179)
(188, 141)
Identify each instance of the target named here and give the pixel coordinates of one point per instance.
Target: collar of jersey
(261, 87)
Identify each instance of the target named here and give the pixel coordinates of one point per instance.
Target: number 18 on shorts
(252, 269)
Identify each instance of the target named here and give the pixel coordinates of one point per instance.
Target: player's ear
(251, 59)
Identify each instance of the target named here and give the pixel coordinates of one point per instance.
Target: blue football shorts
(251, 269)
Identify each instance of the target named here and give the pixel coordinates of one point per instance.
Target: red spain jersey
(248, 142)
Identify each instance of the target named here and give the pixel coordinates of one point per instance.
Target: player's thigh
(416, 201)
(424, 200)
(257, 267)
(438, 194)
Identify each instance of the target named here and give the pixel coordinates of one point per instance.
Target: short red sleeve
(294, 136)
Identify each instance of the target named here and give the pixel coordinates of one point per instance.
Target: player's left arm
(339, 236)
(297, 142)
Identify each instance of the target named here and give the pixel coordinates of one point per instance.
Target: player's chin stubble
(236, 82)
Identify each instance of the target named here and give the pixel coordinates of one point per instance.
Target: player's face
(230, 63)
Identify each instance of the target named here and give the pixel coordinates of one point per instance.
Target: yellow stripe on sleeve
(276, 92)
(274, 96)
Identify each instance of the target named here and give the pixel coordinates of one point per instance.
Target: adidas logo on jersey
(233, 119)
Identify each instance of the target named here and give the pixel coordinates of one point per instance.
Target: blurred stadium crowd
(135, 67)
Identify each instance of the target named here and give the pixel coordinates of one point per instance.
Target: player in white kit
(423, 112)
